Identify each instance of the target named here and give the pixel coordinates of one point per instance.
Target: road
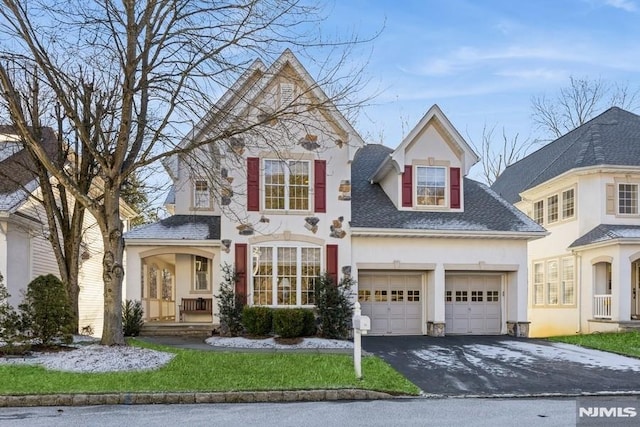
(399, 412)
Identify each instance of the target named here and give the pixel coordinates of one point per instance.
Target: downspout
(578, 291)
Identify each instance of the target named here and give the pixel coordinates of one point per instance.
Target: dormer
(425, 171)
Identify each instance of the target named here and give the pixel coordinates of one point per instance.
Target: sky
(483, 61)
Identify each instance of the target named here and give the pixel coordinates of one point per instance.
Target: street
(398, 412)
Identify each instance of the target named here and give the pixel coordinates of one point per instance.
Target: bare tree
(129, 76)
(496, 153)
(579, 102)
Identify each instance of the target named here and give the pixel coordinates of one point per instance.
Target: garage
(473, 304)
(393, 301)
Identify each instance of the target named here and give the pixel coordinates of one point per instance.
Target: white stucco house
(25, 251)
(432, 252)
(583, 188)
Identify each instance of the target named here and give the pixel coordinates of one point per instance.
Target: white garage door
(393, 301)
(473, 304)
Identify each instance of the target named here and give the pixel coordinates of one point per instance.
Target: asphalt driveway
(501, 365)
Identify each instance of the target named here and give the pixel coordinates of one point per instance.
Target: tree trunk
(73, 292)
(113, 272)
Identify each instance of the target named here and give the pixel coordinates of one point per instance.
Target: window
(559, 206)
(567, 288)
(364, 295)
(430, 186)
(568, 202)
(414, 295)
(552, 208)
(201, 194)
(493, 296)
(538, 212)
(476, 296)
(286, 185)
(397, 295)
(628, 199)
(552, 282)
(202, 273)
(286, 275)
(153, 281)
(538, 283)
(461, 296)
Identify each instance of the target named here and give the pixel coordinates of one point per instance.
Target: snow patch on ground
(572, 353)
(90, 357)
(270, 343)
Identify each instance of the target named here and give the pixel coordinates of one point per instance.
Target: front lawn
(625, 343)
(212, 371)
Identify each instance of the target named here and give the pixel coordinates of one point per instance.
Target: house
(431, 251)
(25, 251)
(583, 188)
(435, 252)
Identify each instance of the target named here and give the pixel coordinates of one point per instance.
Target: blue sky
(482, 61)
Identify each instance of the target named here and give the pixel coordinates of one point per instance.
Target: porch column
(3, 251)
(133, 287)
(435, 299)
(621, 289)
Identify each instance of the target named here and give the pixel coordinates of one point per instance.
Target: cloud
(628, 5)
(535, 74)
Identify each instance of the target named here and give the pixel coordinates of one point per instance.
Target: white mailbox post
(361, 324)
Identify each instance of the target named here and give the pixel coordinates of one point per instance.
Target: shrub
(229, 304)
(309, 329)
(46, 313)
(288, 323)
(334, 307)
(257, 320)
(11, 336)
(132, 318)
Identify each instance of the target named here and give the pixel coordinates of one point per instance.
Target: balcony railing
(602, 306)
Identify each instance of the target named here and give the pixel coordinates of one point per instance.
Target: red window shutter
(454, 184)
(407, 187)
(253, 184)
(320, 185)
(332, 262)
(241, 270)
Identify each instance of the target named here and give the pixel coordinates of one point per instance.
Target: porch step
(633, 325)
(175, 329)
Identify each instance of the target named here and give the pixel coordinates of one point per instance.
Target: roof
(607, 233)
(612, 138)
(17, 172)
(483, 211)
(179, 227)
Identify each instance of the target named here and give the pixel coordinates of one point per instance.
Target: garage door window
(493, 296)
(364, 295)
(448, 296)
(397, 296)
(413, 296)
(476, 296)
(380, 296)
(461, 296)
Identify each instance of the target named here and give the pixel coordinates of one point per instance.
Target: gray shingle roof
(612, 138)
(179, 227)
(18, 172)
(608, 232)
(484, 210)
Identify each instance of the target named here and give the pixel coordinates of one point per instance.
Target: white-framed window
(201, 194)
(431, 186)
(538, 283)
(552, 209)
(552, 282)
(627, 199)
(285, 275)
(556, 207)
(568, 203)
(538, 211)
(286, 185)
(567, 284)
(202, 273)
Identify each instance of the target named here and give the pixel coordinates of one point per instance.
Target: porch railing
(602, 306)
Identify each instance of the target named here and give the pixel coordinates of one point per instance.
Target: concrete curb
(85, 399)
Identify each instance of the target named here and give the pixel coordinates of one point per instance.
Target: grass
(625, 343)
(203, 371)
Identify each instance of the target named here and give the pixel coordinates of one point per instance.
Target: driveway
(501, 365)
